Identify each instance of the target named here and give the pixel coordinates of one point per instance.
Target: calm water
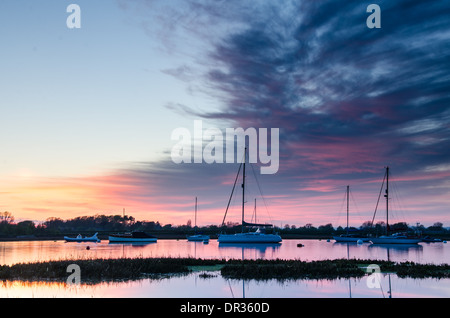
(195, 285)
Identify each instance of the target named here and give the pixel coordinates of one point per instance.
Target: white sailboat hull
(394, 240)
(252, 237)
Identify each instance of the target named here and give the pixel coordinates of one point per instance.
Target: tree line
(56, 226)
(123, 223)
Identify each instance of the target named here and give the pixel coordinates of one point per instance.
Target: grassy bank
(96, 270)
(100, 269)
(328, 269)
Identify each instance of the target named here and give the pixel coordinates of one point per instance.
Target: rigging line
(262, 196)
(382, 291)
(234, 186)
(354, 203)
(253, 214)
(341, 208)
(379, 195)
(397, 203)
(231, 195)
(231, 289)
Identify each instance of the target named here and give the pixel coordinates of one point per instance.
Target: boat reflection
(133, 244)
(397, 247)
(251, 250)
(261, 247)
(353, 244)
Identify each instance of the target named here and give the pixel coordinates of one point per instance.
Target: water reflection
(262, 248)
(192, 286)
(400, 248)
(196, 285)
(215, 285)
(133, 244)
(251, 251)
(309, 250)
(259, 246)
(398, 253)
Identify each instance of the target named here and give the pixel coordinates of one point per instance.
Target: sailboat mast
(255, 212)
(387, 200)
(347, 207)
(243, 189)
(195, 213)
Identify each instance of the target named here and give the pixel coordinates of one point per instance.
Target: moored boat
(350, 237)
(136, 236)
(428, 239)
(80, 238)
(396, 238)
(197, 237)
(258, 236)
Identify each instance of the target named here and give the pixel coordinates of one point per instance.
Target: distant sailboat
(258, 236)
(348, 237)
(396, 238)
(197, 237)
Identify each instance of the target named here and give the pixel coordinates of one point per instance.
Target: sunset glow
(87, 113)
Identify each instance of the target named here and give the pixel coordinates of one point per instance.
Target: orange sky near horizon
(88, 115)
(32, 198)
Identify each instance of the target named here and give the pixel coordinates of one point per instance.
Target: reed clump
(100, 269)
(408, 269)
(291, 269)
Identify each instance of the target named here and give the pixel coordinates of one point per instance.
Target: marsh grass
(327, 269)
(282, 270)
(99, 270)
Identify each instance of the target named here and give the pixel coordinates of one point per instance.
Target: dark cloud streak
(348, 99)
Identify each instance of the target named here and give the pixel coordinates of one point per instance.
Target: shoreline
(160, 237)
(174, 236)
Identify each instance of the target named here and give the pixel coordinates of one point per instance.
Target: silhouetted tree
(6, 217)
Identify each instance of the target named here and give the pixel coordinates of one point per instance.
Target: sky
(87, 114)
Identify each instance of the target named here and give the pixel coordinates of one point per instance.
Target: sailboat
(258, 236)
(80, 238)
(396, 238)
(350, 238)
(197, 237)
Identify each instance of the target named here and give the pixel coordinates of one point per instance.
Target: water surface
(214, 285)
(32, 251)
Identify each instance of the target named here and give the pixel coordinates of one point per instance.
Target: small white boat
(80, 238)
(428, 239)
(197, 237)
(136, 236)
